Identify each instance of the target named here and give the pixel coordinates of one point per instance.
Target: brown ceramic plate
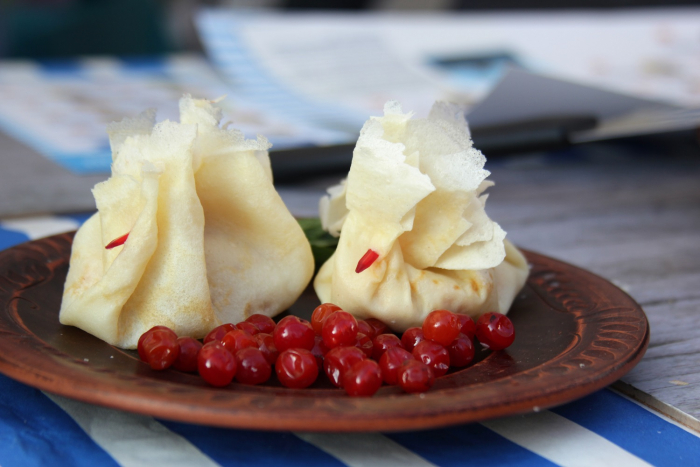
(576, 333)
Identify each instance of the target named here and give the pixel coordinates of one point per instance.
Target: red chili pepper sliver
(367, 260)
(117, 241)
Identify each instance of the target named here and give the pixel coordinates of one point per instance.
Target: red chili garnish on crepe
(367, 260)
(117, 241)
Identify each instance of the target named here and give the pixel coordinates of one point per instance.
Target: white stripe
(42, 226)
(365, 449)
(562, 441)
(133, 440)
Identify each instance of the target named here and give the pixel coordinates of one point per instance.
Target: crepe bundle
(414, 199)
(209, 239)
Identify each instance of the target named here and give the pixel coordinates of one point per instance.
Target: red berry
(434, 355)
(391, 361)
(187, 358)
(319, 351)
(339, 360)
(411, 338)
(383, 342)
(363, 379)
(236, 340)
(266, 344)
(263, 323)
(441, 326)
(340, 328)
(252, 367)
(320, 313)
(296, 368)
(379, 327)
(415, 376)
(158, 347)
(219, 332)
(467, 325)
(365, 328)
(365, 344)
(216, 364)
(495, 331)
(461, 351)
(293, 333)
(250, 328)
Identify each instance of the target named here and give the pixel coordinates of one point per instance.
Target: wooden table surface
(629, 212)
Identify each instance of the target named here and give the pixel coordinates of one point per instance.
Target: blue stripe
(634, 429)
(10, 238)
(36, 432)
(252, 448)
(471, 444)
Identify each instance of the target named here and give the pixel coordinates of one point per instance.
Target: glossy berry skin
(293, 333)
(250, 328)
(364, 328)
(461, 351)
(379, 327)
(266, 344)
(263, 323)
(236, 340)
(467, 326)
(339, 329)
(415, 376)
(383, 342)
(216, 364)
(434, 355)
(363, 379)
(495, 331)
(252, 366)
(441, 326)
(296, 368)
(319, 350)
(320, 313)
(159, 347)
(219, 332)
(187, 358)
(411, 337)
(390, 363)
(365, 344)
(338, 361)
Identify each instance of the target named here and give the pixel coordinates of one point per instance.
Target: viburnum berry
(495, 331)
(441, 326)
(434, 355)
(363, 379)
(461, 351)
(216, 364)
(467, 326)
(415, 376)
(263, 323)
(411, 337)
(252, 366)
(158, 347)
(337, 361)
(365, 344)
(391, 361)
(383, 342)
(293, 333)
(219, 332)
(379, 327)
(250, 328)
(187, 358)
(365, 328)
(340, 328)
(322, 312)
(296, 368)
(236, 340)
(266, 344)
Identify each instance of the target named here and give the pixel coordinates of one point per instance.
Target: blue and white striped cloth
(602, 429)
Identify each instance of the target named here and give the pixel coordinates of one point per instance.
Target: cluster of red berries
(357, 355)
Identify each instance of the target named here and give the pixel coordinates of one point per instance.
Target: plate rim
(132, 393)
